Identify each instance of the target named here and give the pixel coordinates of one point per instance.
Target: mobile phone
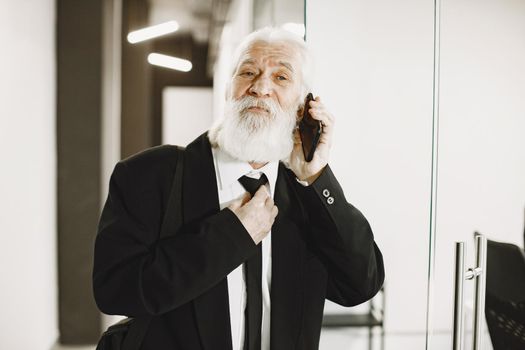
(310, 130)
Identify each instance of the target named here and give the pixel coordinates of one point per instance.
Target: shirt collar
(229, 169)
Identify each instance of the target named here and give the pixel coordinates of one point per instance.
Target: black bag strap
(171, 223)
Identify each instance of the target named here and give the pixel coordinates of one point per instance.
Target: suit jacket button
(330, 200)
(326, 193)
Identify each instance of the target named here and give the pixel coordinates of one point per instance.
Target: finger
(320, 109)
(328, 123)
(239, 202)
(316, 103)
(327, 135)
(321, 115)
(261, 194)
(275, 211)
(245, 198)
(268, 203)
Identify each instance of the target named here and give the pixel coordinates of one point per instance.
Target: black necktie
(253, 272)
(252, 185)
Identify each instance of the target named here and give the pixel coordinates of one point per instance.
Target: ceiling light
(152, 32)
(171, 62)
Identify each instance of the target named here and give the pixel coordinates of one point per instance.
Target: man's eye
(247, 74)
(281, 77)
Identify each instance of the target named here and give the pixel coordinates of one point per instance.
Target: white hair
(276, 35)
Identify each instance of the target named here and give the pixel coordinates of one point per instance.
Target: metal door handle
(479, 292)
(479, 274)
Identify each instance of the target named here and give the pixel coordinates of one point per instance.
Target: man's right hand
(257, 214)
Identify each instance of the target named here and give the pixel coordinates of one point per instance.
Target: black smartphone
(310, 130)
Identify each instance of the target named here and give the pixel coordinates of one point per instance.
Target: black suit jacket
(319, 250)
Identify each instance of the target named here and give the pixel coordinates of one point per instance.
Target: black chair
(371, 319)
(505, 296)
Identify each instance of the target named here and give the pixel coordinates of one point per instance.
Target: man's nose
(261, 87)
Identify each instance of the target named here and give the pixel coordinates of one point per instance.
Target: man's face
(261, 112)
(268, 72)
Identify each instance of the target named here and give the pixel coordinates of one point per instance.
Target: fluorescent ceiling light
(171, 62)
(152, 32)
(296, 28)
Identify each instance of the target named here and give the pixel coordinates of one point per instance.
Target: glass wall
(481, 168)
(374, 70)
(430, 109)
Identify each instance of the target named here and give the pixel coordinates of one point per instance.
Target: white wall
(481, 183)
(289, 11)
(373, 63)
(28, 295)
(186, 113)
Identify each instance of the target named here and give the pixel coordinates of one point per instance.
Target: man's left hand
(310, 171)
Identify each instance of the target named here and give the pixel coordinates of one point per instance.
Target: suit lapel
(200, 199)
(287, 269)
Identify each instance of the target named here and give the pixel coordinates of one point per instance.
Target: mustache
(246, 102)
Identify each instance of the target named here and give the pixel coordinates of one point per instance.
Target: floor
(345, 339)
(330, 340)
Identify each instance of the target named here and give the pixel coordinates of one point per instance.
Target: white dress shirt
(228, 171)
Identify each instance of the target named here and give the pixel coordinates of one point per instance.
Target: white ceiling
(195, 16)
(192, 15)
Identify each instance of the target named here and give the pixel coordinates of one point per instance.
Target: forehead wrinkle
(285, 64)
(264, 51)
(246, 61)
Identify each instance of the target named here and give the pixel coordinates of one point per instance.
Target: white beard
(254, 137)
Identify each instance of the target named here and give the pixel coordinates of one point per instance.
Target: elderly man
(246, 271)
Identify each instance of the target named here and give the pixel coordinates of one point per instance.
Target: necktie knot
(252, 185)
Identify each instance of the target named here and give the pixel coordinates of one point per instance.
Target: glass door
(481, 165)
(374, 69)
